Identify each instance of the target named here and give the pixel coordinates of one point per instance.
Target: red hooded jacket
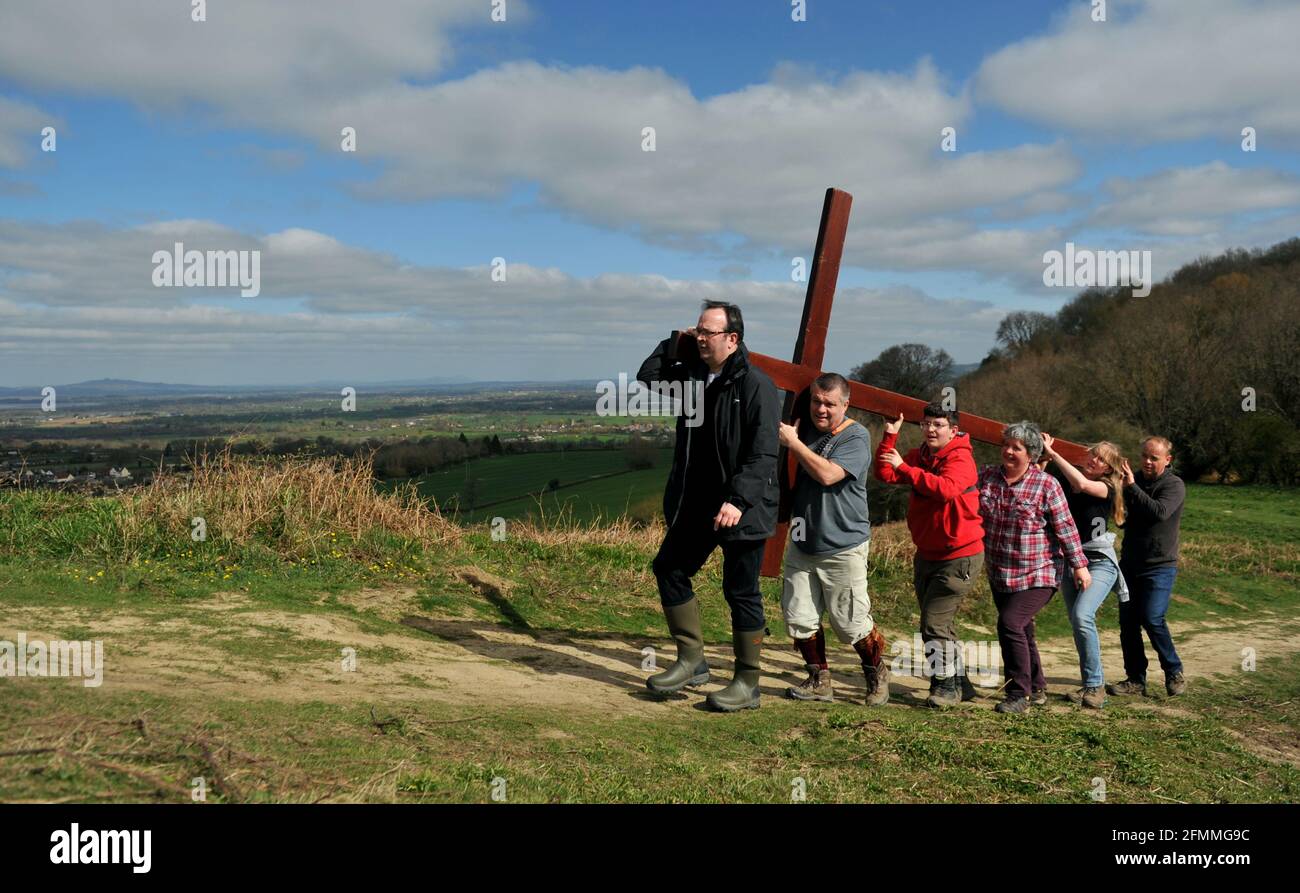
(943, 512)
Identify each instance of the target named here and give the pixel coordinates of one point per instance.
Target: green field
(592, 484)
(522, 659)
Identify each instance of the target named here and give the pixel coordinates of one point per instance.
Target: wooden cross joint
(810, 350)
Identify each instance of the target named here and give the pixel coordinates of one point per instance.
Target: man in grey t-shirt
(830, 534)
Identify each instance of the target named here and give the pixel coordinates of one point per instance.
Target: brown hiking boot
(871, 649)
(1038, 697)
(1127, 687)
(1092, 697)
(817, 687)
(877, 684)
(1175, 684)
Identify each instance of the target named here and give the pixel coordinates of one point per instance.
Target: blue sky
(522, 140)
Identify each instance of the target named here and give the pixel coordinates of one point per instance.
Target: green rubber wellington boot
(690, 668)
(742, 692)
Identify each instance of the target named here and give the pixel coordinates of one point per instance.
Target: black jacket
(745, 436)
(1155, 509)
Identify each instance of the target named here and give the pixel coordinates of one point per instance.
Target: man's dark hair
(935, 410)
(735, 322)
(830, 381)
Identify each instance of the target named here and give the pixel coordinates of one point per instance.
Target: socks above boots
(871, 649)
(813, 649)
(818, 686)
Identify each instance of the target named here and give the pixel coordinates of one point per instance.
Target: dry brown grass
(891, 547)
(1240, 557)
(291, 505)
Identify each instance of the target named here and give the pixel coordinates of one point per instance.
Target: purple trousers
(1016, 611)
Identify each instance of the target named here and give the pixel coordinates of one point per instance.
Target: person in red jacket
(943, 514)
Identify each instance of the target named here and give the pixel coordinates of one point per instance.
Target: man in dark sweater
(1149, 562)
(721, 491)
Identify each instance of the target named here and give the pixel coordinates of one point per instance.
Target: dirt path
(212, 646)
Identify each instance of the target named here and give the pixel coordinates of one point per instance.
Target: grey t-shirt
(835, 518)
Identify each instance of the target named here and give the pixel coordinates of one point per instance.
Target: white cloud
(249, 58)
(370, 315)
(751, 163)
(1194, 201)
(1158, 70)
(20, 131)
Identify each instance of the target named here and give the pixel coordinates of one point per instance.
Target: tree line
(1207, 359)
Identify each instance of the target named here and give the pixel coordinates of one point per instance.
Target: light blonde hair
(1110, 454)
(1163, 441)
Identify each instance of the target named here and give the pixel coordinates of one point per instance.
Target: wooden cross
(809, 350)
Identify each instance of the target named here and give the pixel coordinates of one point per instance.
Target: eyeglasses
(935, 425)
(706, 334)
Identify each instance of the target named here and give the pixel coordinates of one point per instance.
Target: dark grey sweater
(1154, 510)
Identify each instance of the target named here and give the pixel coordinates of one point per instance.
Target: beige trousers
(832, 584)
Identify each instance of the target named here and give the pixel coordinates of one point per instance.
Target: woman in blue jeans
(1095, 495)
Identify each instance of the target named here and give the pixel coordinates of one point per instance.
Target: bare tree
(912, 369)
(1018, 329)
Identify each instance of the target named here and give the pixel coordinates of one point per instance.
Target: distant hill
(121, 387)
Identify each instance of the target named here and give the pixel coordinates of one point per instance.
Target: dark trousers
(940, 587)
(1016, 611)
(1149, 592)
(688, 545)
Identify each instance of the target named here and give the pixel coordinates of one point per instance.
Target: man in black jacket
(1149, 562)
(722, 490)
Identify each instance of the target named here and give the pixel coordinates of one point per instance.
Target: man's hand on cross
(727, 516)
(895, 426)
(788, 434)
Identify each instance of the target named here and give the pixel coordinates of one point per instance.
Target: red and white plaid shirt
(1027, 530)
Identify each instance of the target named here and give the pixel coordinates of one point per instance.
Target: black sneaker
(1012, 705)
(968, 692)
(1175, 684)
(1038, 697)
(946, 693)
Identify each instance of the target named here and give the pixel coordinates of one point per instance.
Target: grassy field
(593, 484)
(519, 663)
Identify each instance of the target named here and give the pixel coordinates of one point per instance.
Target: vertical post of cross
(810, 347)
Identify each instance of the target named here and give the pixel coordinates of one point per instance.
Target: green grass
(1240, 560)
(1228, 574)
(841, 752)
(508, 486)
(637, 494)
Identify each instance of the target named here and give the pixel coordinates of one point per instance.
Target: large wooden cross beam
(810, 349)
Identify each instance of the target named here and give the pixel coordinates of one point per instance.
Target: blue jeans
(1149, 592)
(1083, 608)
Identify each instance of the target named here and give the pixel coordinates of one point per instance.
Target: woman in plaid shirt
(1028, 535)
